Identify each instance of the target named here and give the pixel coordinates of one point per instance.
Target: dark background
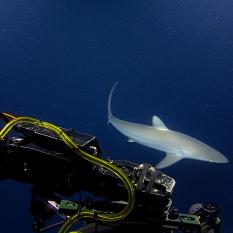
(174, 59)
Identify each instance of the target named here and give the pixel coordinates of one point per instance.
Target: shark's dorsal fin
(157, 123)
(168, 160)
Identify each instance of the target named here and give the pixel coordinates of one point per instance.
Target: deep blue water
(59, 60)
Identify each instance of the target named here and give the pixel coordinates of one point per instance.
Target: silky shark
(176, 145)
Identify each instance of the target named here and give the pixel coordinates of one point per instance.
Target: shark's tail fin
(109, 102)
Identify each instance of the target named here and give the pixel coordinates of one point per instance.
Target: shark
(176, 145)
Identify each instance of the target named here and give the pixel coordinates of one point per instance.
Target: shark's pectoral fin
(130, 140)
(157, 123)
(168, 160)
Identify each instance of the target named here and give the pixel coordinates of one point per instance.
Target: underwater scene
(150, 81)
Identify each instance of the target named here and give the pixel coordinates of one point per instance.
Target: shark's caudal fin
(109, 101)
(168, 160)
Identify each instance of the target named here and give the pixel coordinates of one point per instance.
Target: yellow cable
(96, 160)
(9, 115)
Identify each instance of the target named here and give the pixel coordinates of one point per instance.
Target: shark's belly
(172, 142)
(162, 142)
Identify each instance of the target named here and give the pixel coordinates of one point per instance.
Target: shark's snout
(220, 159)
